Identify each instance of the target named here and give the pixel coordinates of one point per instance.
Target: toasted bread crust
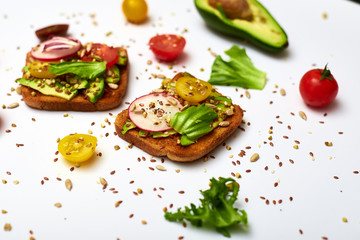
(110, 99)
(169, 147)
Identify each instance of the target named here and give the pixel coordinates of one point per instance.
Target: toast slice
(110, 99)
(170, 147)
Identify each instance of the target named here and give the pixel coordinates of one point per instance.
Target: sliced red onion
(56, 48)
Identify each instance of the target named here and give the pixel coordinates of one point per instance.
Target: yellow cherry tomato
(77, 147)
(192, 89)
(135, 11)
(39, 69)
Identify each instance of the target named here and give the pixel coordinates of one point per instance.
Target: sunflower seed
(13, 105)
(302, 115)
(224, 123)
(113, 85)
(103, 181)
(161, 168)
(254, 157)
(68, 184)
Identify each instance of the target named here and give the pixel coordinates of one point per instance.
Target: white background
(320, 202)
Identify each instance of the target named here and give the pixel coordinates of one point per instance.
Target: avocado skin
(48, 90)
(219, 25)
(96, 90)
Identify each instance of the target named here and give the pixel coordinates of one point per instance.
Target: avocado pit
(233, 9)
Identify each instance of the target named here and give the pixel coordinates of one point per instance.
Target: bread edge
(169, 147)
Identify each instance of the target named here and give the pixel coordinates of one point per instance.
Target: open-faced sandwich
(63, 74)
(184, 120)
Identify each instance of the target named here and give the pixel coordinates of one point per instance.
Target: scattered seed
(282, 92)
(160, 167)
(302, 115)
(247, 94)
(58, 205)
(7, 227)
(143, 222)
(103, 181)
(344, 219)
(117, 204)
(18, 90)
(254, 157)
(328, 144)
(13, 105)
(68, 184)
(224, 123)
(116, 147)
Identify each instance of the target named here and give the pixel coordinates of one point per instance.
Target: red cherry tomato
(108, 54)
(167, 47)
(318, 87)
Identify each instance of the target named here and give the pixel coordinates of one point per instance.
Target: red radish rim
(58, 45)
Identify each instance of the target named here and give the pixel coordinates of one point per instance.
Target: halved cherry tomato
(167, 47)
(318, 87)
(77, 147)
(53, 30)
(192, 89)
(135, 11)
(108, 54)
(39, 69)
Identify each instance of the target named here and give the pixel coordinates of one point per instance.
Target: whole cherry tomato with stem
(318, 87)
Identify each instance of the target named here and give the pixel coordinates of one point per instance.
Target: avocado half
(262, 30)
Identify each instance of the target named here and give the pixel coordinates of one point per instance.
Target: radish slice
(153, 112)
(56, 48)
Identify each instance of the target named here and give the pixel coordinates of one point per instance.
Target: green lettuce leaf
(216, 207)
(88, 70)
(238, 71)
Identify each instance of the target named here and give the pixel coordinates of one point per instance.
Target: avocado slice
(96, 89)
(122, 60)
(261, 30)
(113, 74)
(82, 84)
(53, 89)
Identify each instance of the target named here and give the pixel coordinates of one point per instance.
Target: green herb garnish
(216, 207)
(88, 70)
(238, 71)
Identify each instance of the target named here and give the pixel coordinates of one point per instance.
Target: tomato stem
(326, 74)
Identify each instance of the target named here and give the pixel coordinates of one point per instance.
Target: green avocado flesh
(58, 90)
(262, 30)
(96, 89)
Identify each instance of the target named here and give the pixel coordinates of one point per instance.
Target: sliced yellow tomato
(192, 89)
(77, 147)
(135, 11)
(39, 69)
